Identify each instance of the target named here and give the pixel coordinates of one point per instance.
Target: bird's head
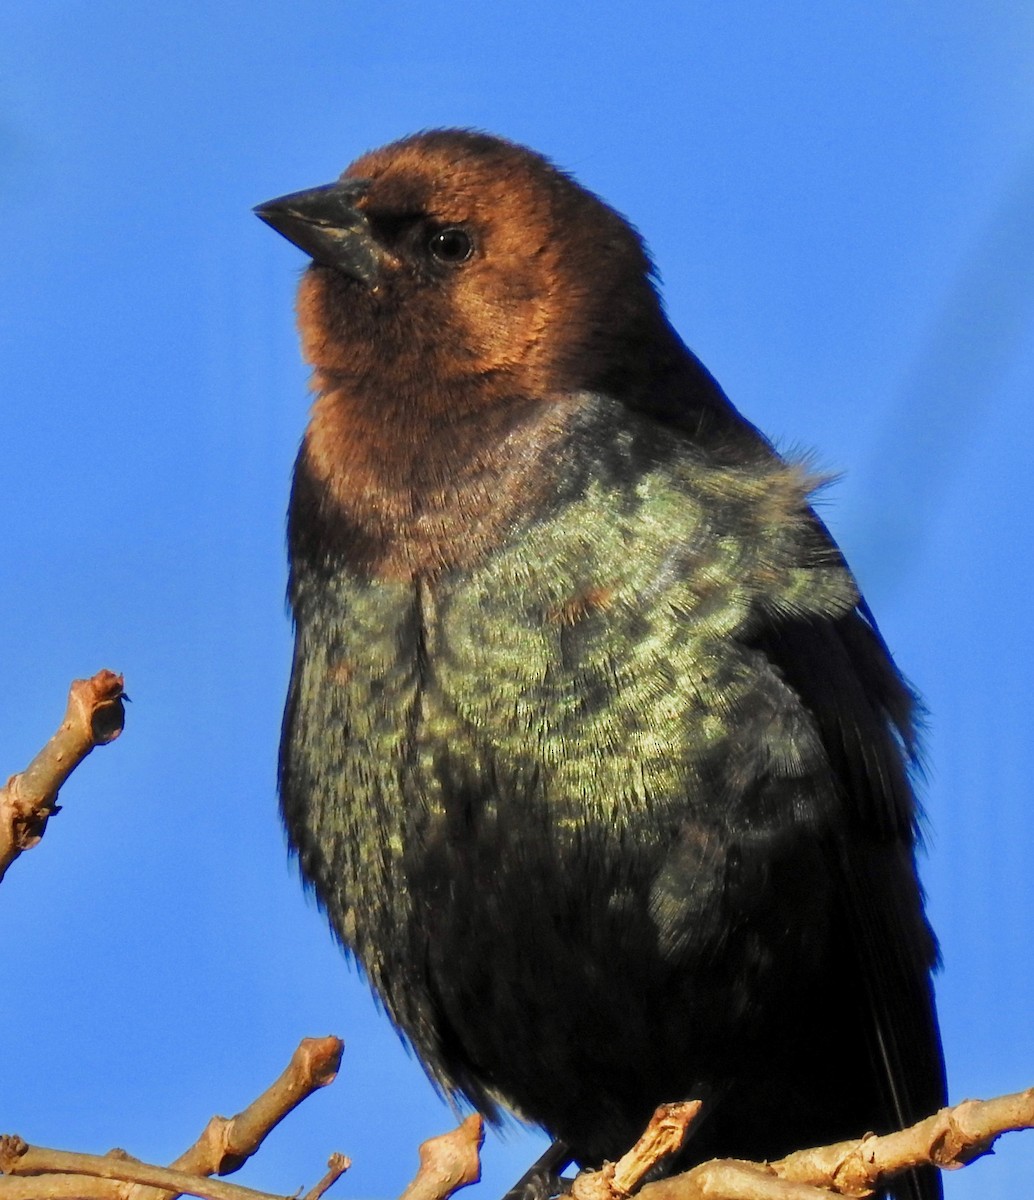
(453, 258)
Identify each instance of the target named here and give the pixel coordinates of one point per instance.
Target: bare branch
(39, 1173)
(336, 1167)
(730, 1179)
(95, 716)
(950, 1138)
(226, 1144)
(57, 1187)
(448, 1162)
(19, 1159)
(663, 1136)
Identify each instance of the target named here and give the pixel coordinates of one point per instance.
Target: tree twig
(95, 716)
(336, 1167)
(448, 1162)
(19, 1159)
(663, 1136)
(950, 1138)
(57, 1187)
(223, 1146)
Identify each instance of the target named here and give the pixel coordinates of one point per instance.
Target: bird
(593, 753)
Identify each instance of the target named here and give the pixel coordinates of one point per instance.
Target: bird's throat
(429, 490)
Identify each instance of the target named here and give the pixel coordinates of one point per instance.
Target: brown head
(463, 292)
(466, 258)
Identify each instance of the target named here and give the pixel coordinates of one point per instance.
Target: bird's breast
(590, 680)
(570, 744)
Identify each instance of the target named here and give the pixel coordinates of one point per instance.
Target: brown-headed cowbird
(593, 753)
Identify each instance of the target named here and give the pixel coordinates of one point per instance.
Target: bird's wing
(841, 670)
(845, 678)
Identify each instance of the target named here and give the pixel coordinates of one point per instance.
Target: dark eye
(452, 245)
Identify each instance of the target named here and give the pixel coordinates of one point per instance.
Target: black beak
(326, 224)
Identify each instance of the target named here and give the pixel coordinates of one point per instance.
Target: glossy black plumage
(592, 753)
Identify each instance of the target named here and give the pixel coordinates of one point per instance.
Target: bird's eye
(452, 245)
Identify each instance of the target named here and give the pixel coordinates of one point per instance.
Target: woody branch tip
(95, 715)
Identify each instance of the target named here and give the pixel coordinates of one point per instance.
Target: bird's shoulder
(640, 513)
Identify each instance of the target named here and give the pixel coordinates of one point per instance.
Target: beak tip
(325, 223)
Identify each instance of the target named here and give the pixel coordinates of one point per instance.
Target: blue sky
(839, 198)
